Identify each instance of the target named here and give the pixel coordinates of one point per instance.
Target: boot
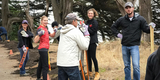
(97, 76)
(90, 74)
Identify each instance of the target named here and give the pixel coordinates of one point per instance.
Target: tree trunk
(145, 11)
(5, 12)
(60, 9)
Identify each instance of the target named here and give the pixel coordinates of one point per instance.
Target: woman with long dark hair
(25, 40)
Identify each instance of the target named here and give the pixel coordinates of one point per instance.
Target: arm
(114, 27)
(38, 34)
(93, 29)
(144, 26)
(36, 39)
(20, 39)
(30, 34)
(52, 34)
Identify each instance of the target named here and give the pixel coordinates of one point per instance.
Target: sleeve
(115, 26)
(149, 74)
(93, 28)
(144, 26)
(20, 39)
(82, 41)
(30, 34)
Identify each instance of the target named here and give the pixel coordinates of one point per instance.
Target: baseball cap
(24, 21)
(72, 16)
(128, 4)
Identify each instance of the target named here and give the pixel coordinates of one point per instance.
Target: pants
(3, 33)
(131, 51)
(43, 64)
(22, 69)
(92, 56)
(68, 72)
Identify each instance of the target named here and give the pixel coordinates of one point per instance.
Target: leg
(62, 74)
(126, 60)
(22, 69)
(39, 69)
(73, 73)
(135, 62)
(89, 58)
(27, 58)
(93, 56)
(0, 36)
(6, 36)
(45, 67)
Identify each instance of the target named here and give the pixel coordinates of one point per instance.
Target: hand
(24, 48)
(119, 36)
(152, 24)
(41, 32)
(55, 30)
(24, 34)
(86, 33)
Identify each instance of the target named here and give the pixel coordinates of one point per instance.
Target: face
(44, 22)
(75, 23)
(129, 10)
(24, 25)
(90, 14)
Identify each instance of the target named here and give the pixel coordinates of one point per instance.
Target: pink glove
(86, 33)
(119, 36)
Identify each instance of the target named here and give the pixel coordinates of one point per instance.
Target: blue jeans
(22, 69)
(68, 72)
(132, 51)
(3, 33)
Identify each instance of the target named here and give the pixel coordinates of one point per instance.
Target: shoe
(90, 74)
(25, 74)
(39, 79)
(97, 76)
(27, 71)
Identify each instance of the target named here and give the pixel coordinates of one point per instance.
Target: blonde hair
(94, 11)
(41, 18)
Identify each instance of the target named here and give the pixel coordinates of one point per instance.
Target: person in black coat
(92, 28)
(153, 65)
(25, 40)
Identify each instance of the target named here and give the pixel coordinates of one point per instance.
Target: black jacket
(92, 28)
(25, 41)
(131, 30)
(153, 66)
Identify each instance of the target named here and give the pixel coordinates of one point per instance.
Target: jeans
(132, 51)
(3, 33)
(22, 69)
(68, 72)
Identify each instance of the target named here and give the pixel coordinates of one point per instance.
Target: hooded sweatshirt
(72, 42)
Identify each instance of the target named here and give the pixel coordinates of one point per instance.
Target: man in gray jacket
(132, 26)
(72, 42)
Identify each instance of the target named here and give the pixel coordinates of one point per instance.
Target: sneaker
(25, 74)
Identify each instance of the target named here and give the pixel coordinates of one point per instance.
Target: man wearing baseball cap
(72, 42)
(132, 26)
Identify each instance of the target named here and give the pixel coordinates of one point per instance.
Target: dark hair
(94, 11)
(54, 24)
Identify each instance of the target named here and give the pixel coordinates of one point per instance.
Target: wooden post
(152, 38)
(87, 66)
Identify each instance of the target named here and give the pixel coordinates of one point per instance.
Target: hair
(43, 18)
(28, 27)
(94, 11)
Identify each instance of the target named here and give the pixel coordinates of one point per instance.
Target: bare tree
(61, 8)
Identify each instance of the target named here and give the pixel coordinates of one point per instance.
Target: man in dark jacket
(132, 26)
(153, 65)
(3, 31)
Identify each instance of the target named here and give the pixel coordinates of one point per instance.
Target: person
(56, 27)
(153, 65)
(3, 31)
(93, 27)
(25, 40)
(132, 26)
(72, 42)
(42, 34)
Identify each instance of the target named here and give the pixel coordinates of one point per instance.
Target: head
(71, 19)
(54, 24)
(92, 13)
(24, 25)
(44, 21)
(129, 8)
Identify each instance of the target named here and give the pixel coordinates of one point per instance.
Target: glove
(119, 36)
(24, 48)
(24, 34)
(152, 24)
(55, 30)
(86, 33)
(41, 32)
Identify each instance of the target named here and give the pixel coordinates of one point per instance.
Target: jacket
(72, 42)
(92, 28)
(153, 65)
(2, 29)
(25, 41)
(131, 30)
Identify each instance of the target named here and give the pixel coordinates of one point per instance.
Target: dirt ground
(108, 54)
